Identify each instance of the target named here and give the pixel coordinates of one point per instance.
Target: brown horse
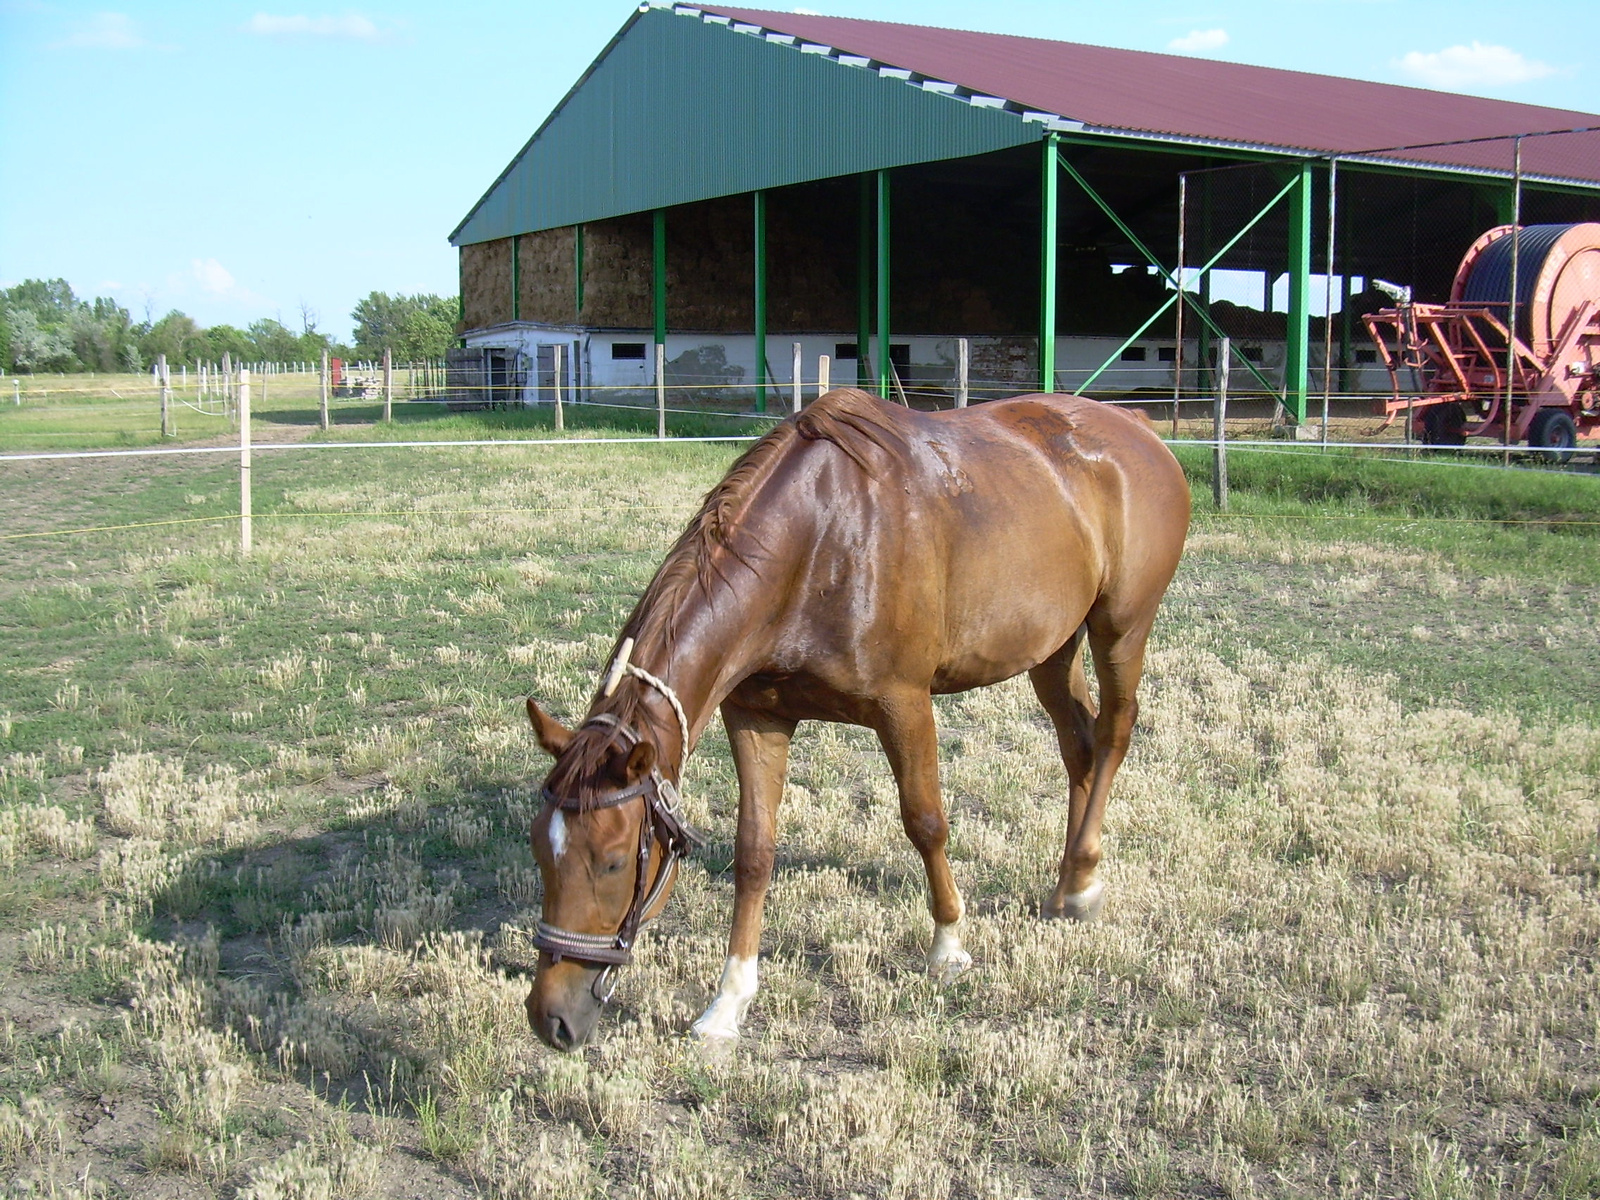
(856, 560)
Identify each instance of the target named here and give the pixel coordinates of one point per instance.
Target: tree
(410, 327)
(51, 300)
(428, 331)
(36, 348)
(274, 342)
(177, 336)
(226, 339)
(103, 336)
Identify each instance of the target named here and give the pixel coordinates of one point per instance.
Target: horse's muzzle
(564, 1017)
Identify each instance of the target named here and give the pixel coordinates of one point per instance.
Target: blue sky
(238, 161)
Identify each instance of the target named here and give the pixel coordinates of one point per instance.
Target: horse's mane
(864, 428)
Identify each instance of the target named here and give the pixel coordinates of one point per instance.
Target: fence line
(1431, 455)
(353, 514)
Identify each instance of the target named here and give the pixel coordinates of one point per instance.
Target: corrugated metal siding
(681, 110)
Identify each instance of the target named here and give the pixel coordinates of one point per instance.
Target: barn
(730, 183)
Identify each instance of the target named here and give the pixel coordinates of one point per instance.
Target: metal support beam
(577, 271)
(885, 368)
(864, 285)
(1203, 309)
(1297, 364)
(1050, 178)
(761, 300)
(659, 240)
(1505, 204)
(516, 277)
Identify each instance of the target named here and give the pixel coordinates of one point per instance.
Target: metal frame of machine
(1456, 354)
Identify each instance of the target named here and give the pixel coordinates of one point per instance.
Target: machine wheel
(1554, 432)
(1444, 425)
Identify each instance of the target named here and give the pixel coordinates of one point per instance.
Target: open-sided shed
(876, 190)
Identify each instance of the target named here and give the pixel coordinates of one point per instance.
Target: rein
(663, 821)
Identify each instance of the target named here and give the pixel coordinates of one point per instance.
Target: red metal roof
(1166, 94)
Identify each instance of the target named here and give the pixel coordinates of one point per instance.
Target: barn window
(1366, 356)
(846, 350)
(634, 350)
(1167, 353)
(1251, 353)
(1134, 354)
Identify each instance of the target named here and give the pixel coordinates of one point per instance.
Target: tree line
(44, 327)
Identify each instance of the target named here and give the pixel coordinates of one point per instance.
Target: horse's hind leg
(761, 757)
(1118, 647)
(1063, 689)
(905, 728)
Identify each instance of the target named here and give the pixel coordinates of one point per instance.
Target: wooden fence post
(1219, 473)
(166, 395)
(795, 378)
(962, 360)
(823, 365)
(244, 464)
(323, 380)
(388, 386)
(555, 365)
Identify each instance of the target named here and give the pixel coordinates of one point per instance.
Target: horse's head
(607, 843)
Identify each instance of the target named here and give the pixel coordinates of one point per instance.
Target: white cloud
(353, 26)
(213, 276)
(1198, 41)
(106, 31)
(1477, 64)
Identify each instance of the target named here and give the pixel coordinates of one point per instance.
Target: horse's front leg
(910, 739)
(761, 757)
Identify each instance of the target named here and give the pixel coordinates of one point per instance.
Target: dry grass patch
(1350, 946)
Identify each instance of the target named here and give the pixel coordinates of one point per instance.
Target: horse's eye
(613, 865)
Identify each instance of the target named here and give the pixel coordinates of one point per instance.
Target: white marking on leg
(722, 1018)
(558, 834)
(1085, 905)
(947, 958)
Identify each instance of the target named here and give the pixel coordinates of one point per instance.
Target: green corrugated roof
(678, 109)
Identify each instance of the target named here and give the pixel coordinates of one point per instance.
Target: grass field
(265, 894)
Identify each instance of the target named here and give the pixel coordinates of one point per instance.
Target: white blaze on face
(558, 834)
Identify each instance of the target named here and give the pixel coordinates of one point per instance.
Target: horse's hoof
(947, 970)
(1081, 906)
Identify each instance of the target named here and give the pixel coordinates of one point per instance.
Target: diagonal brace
(1166, 274)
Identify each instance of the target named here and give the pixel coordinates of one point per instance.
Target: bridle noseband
(663, 822)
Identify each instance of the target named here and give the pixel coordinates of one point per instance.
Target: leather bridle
(663, 821)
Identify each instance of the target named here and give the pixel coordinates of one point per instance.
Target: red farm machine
(1448, 362)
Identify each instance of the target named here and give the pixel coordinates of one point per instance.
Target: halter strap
(662, 821)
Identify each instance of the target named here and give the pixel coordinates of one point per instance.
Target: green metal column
(516, 278)
(659, 238)
(761, 301)
(1050, 176)
(885, 370)
(1297, 366)
(1505, 205)
(577, 271)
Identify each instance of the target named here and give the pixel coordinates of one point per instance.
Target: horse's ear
(641, 761)
(552, 734)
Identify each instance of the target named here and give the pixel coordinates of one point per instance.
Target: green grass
(1367, 698)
